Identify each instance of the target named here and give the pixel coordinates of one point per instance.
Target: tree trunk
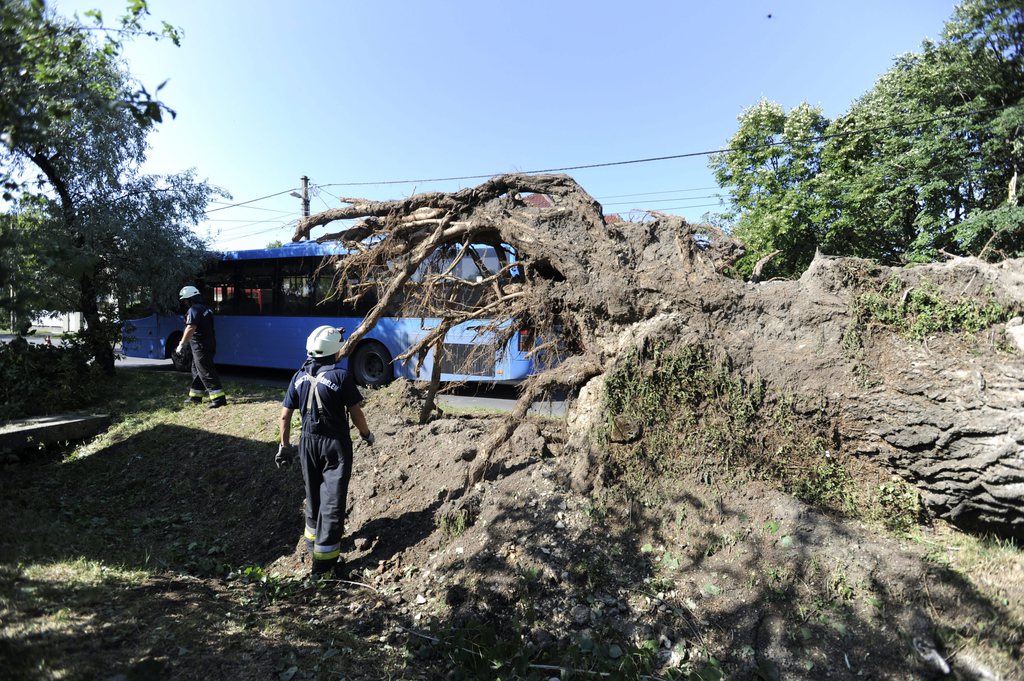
(97, 342)
(946, 414)
(99, 346)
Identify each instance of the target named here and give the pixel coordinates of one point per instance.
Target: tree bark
(947, 415)
(88, 303)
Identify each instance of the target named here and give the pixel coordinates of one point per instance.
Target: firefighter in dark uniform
(326, 395)
(201, 338)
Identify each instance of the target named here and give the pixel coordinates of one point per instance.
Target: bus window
(220, 290)
(367, 301)
(256, 289)
(296, 289)
(328, 302)
(469, 270)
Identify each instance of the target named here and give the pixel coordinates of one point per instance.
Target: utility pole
(304, 196)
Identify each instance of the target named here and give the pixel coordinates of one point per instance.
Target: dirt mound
(171, 548)
(743, 580)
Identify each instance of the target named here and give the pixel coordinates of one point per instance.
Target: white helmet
(325, 341)
(188, 292)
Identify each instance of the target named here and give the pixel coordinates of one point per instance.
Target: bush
(41, 379)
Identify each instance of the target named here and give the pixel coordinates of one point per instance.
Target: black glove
(285, 455)
(368, 439)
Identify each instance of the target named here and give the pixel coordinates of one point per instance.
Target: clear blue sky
(371, 91)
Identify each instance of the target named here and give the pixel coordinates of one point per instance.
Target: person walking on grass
(201, 338)
(326, 396)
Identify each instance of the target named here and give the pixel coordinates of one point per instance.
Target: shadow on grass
(105, 561)
(114, 564)
(761, 589)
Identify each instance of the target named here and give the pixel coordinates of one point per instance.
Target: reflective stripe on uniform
(310, 534)
(195, 393)
(321, 552)
(214, 394)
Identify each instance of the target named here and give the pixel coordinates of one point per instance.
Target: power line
(669, 200)
(288, 225)
(247, 222)
(670, 191)
(253, 223)
(651, 159)
(243, 203)
(703, 205)
(268, 210)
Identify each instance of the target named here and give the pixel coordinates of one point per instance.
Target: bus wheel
(371, 365)
(182, 362)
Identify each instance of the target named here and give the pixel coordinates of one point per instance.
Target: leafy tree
(74, 117)
(30, 257)
(771, 164)
(925, 163)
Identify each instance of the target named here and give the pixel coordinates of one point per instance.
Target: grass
(701, 418)
(142, 553)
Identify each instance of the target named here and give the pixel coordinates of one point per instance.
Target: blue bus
(268, 300)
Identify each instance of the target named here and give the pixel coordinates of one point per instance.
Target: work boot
(189, 401)
(330, 572)
(217, 403)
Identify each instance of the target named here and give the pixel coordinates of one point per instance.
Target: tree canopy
(925, 163)
(74, 126)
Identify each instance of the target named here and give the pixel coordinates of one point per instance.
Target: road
(488, 397)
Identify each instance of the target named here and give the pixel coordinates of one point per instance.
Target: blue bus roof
(300, 249)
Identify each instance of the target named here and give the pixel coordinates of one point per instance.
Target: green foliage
(267, 587)
(770, 166)
(689, 403)
(91, 225)
(39, 379)
(48, 70)
(453, 523)
(899, 506)
(924, 162)
(828, 485)
(485, 650)
(923, 310)
(32, 253)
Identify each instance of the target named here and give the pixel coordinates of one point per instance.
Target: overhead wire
(749, 147)
(669, 200)
(268, 210)
(257, 233)
(651, 159)
(668, 191)
(243, 203)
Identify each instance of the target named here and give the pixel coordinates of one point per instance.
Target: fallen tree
(915, 369)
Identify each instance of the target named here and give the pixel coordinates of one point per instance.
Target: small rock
(420, 599)
(467, 454)
(542, 637)
(580, 614)
(361, 543)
